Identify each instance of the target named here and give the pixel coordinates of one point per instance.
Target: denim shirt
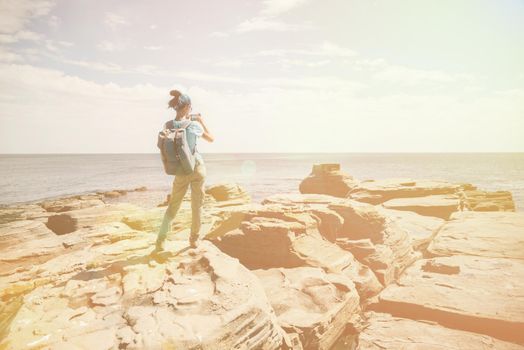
(193, 132)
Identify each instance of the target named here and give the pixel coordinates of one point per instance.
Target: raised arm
(206, 135)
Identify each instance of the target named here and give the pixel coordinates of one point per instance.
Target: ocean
(30, 178)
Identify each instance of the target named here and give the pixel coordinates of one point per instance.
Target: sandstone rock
(305, 199)
(384, 331)
(380, 191)
(197, 298)
(374, 240)
(477, 200)
(112, 194)
(327, 179)
(300, 219)
(310, 302)
(476, 294)
(440, 206)
(316, 204)
(264, 242)
(227, 194)
(421, 229)
(24, 243)
(492, 234)
(22, 212)
(73, 220)
(147, 220)
(71, 203)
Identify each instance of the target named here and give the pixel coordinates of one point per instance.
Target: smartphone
(193, 116)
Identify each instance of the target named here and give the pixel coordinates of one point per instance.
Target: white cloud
(218, 35)
(110, 46)
(276, 7)
(113, 20)
(268, 24)
(54, 22)
(384, 71)
(15, 14)
(154, 48)
(303, 63)
(20, 35)
(228, 63)
(327, 50)
(46, 103)
(56, 46)
(106, 67)
(8, 56)
(67, 114)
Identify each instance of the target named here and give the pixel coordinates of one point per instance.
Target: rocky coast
(342, 263)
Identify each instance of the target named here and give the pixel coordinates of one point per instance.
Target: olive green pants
(180, 185)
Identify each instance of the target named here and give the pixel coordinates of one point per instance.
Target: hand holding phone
(195, 116)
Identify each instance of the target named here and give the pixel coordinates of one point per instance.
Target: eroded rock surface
(197, 298)
(265, 242)
(373, 260)
(384, 331)
(492, 234)
(477, 294)
(374, 239)
(311, 303)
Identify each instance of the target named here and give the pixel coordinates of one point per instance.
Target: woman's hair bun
(175, 93)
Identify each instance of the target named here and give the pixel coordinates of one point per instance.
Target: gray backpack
(174, 149)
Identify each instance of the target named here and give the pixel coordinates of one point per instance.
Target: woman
(181, 103)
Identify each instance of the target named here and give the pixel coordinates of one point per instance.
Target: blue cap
(183, 100)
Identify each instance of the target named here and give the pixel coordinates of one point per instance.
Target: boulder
(475, 294)
(310, 302)
(227, 194)
(384, 331)
(198, 298)
(491, 234)
(439, 205)
(327, 179)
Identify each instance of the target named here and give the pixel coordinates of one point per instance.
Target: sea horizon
(33, 177)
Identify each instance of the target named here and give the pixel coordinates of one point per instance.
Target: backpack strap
(170, 124)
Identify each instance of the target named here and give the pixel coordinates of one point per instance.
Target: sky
(89, 76)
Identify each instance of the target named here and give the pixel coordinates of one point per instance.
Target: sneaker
(193, 243)
(159, 247)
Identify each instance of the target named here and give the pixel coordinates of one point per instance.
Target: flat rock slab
(489, 234)
(310, 302)
(379, 191)
(384, 331)
(481, 295)
(440, 206)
